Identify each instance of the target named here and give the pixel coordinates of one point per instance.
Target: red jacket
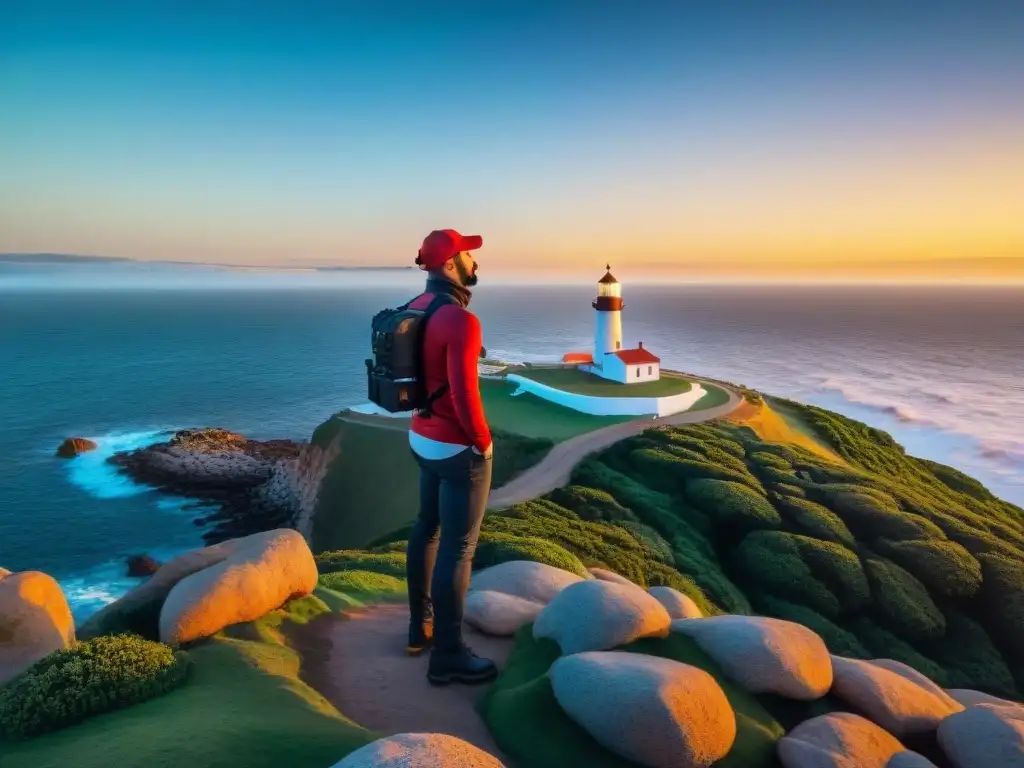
(451, 350)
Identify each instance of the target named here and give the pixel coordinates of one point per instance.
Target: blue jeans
(453, 497)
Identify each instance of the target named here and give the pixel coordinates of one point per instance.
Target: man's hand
(488, 452)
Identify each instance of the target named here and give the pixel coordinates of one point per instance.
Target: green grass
(533, 416)
(244, 704)
(582, 383)
(714, 397)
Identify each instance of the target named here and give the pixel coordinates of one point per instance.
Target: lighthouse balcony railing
(620, 307)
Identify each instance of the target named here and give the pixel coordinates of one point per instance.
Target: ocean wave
(95, 475)
(857, 393)
(90, 590)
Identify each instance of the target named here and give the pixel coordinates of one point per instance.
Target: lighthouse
(608, 306)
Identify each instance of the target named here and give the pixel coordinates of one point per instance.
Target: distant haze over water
(939, 368)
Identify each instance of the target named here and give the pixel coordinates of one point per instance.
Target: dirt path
(360, 666)
(555, 469)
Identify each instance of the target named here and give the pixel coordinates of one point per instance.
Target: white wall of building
(607, 333)
(613, 368)
(610, 406)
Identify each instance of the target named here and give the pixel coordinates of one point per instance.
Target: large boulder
(654, 711)
(496, 613)
(524, 578)
(905, 670)
(419, 750)
(968, 698)
(984, 735)
(764, 655)
(599, 615)
(74, 446)
(678, 605)
(841, 740)
(35, 621)
(147, 599)
(892, 700)
(261, 573)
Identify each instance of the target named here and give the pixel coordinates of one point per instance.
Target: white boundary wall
(610, 406)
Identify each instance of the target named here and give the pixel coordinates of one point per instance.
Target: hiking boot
(459, 666)
(421, 637)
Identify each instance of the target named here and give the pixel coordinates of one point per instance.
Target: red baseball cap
(442, 244)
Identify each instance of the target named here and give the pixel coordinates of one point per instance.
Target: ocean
(121, 361)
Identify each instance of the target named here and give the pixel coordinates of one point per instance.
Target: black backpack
(395, 377)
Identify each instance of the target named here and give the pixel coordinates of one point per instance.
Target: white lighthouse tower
(608, 306)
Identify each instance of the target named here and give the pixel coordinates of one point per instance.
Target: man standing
(452, 444)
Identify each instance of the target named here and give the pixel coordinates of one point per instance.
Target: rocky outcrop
(524, 578)
(248, 482)
(984, 735)
(74, 446)
(764, 655)
(892, 700)
(142, 565)
(259, 574)
(841, 740)
(35, 620)
(678, 605)
(654, 711)
(419, 750)
(496, 613)
(247, 575)
(597, 615)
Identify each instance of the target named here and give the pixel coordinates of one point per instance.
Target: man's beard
(469, 279)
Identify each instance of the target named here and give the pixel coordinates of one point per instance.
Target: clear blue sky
(663, 133)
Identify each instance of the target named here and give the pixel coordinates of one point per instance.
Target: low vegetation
(91, 678)
(243, 703)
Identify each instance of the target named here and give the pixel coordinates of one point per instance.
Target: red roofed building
(579, 358)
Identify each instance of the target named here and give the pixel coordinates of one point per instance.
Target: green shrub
(658, 510)
(792, 491)
(815, 519)
(772, 561)
(943, 566)
(93, 677)
(1002, 599)
(733, 504)
(654, 546)
(668, 472)
(970, 657)
(839, 641)
(591, 503)
(876, 516)
(902, 603)
(390, 563)
(839, 569)
(883, 644)
(957, 480)
(494, 548)
(765, 459)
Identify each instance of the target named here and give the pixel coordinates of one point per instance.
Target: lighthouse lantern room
(610, 360)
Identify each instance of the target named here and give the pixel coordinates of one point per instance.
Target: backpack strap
(436, 303)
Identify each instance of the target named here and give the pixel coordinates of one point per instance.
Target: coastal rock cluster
(658, 712)
(202, 591)
(252, 485)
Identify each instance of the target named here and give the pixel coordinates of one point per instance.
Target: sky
(737, 138)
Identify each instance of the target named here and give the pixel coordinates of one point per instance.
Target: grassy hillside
(243, 704)
(881, 553)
